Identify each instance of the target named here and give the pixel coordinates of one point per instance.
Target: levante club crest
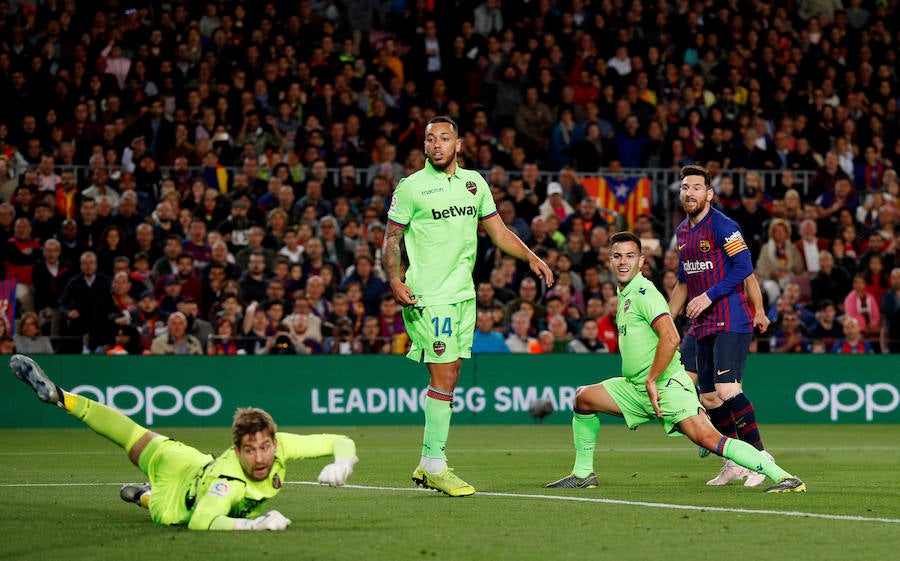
(439, 347)
(627, 305)
(276, 482)
(470, 185)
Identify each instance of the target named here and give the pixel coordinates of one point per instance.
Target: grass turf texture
(850, 471)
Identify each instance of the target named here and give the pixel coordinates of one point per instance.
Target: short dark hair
(695, 169)
(622, 237)
(444, 119)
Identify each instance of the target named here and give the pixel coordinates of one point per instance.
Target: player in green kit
(653, 385)
(188, 487)
(435, 213)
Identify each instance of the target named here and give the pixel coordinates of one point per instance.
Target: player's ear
(710, 193)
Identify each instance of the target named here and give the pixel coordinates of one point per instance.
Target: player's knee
(710, 400)
(724, 392)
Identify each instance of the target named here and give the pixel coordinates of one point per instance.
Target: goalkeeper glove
(272, 520)
(335, 474)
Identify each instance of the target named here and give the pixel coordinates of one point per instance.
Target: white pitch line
(635, 503)
(791, 513)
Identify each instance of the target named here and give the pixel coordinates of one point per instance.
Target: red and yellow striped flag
(629, 196)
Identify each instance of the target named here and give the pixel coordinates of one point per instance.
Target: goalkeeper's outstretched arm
(335, 474)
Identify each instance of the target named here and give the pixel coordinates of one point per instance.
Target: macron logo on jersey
(453, 211)
(694, 267)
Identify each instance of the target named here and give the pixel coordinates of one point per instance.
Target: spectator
(223, 340)
(20, 253)
(608, 332)
(751, 216)
(50, 276)
(314, 258)
(519, 341)
(486, 340)
(555, 203)
(543, 344)
(827, 329)
(370, 340)
(28, 338)
(170, 297)
(45, 224)
(76, 303)
(316, 297)
(373, 288)
(852, 343)
(890, 315)
(832, 282)
(588, 341)
(342, 341)
(254, 280)
(863, 307)
(176, 341)
(810, 246)
(393, 330)
(111, 311)
(778, 259)
(789, 338)
(126, 341)
(196, 326)
(559, 328)
(196, 246)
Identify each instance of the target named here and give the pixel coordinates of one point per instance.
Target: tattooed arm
(393, 264)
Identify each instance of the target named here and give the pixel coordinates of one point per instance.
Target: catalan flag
(8, 303)
(629, 196)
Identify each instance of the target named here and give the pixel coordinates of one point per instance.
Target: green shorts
(441, 333)
(677, 400)
(172, 467)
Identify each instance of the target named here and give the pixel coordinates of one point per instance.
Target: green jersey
(440, 215)
(640, 305)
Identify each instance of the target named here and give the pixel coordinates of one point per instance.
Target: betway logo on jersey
(453, 211)
(694, 267)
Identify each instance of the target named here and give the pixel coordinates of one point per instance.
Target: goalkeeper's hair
(251, 420)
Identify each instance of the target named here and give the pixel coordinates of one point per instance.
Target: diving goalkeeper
(186, 486)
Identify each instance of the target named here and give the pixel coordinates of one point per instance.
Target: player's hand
(541, 270)
(653, 394)
(272, 520)
(696, 306)
(403, 293)
(335, 474)
(761, 321)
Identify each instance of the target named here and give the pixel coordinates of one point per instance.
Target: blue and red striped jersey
(714, 258)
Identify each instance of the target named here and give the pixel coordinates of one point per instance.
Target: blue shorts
(689, 353)
(721, 358)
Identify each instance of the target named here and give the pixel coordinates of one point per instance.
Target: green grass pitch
(59, 500)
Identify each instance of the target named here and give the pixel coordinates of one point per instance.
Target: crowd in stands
(213, 177)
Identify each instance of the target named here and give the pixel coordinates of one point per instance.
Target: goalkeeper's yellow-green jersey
(220, 492)
(440, 214)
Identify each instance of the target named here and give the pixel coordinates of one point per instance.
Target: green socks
(584, 430)
(106, 421)
(749, 457)
(437, 425)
